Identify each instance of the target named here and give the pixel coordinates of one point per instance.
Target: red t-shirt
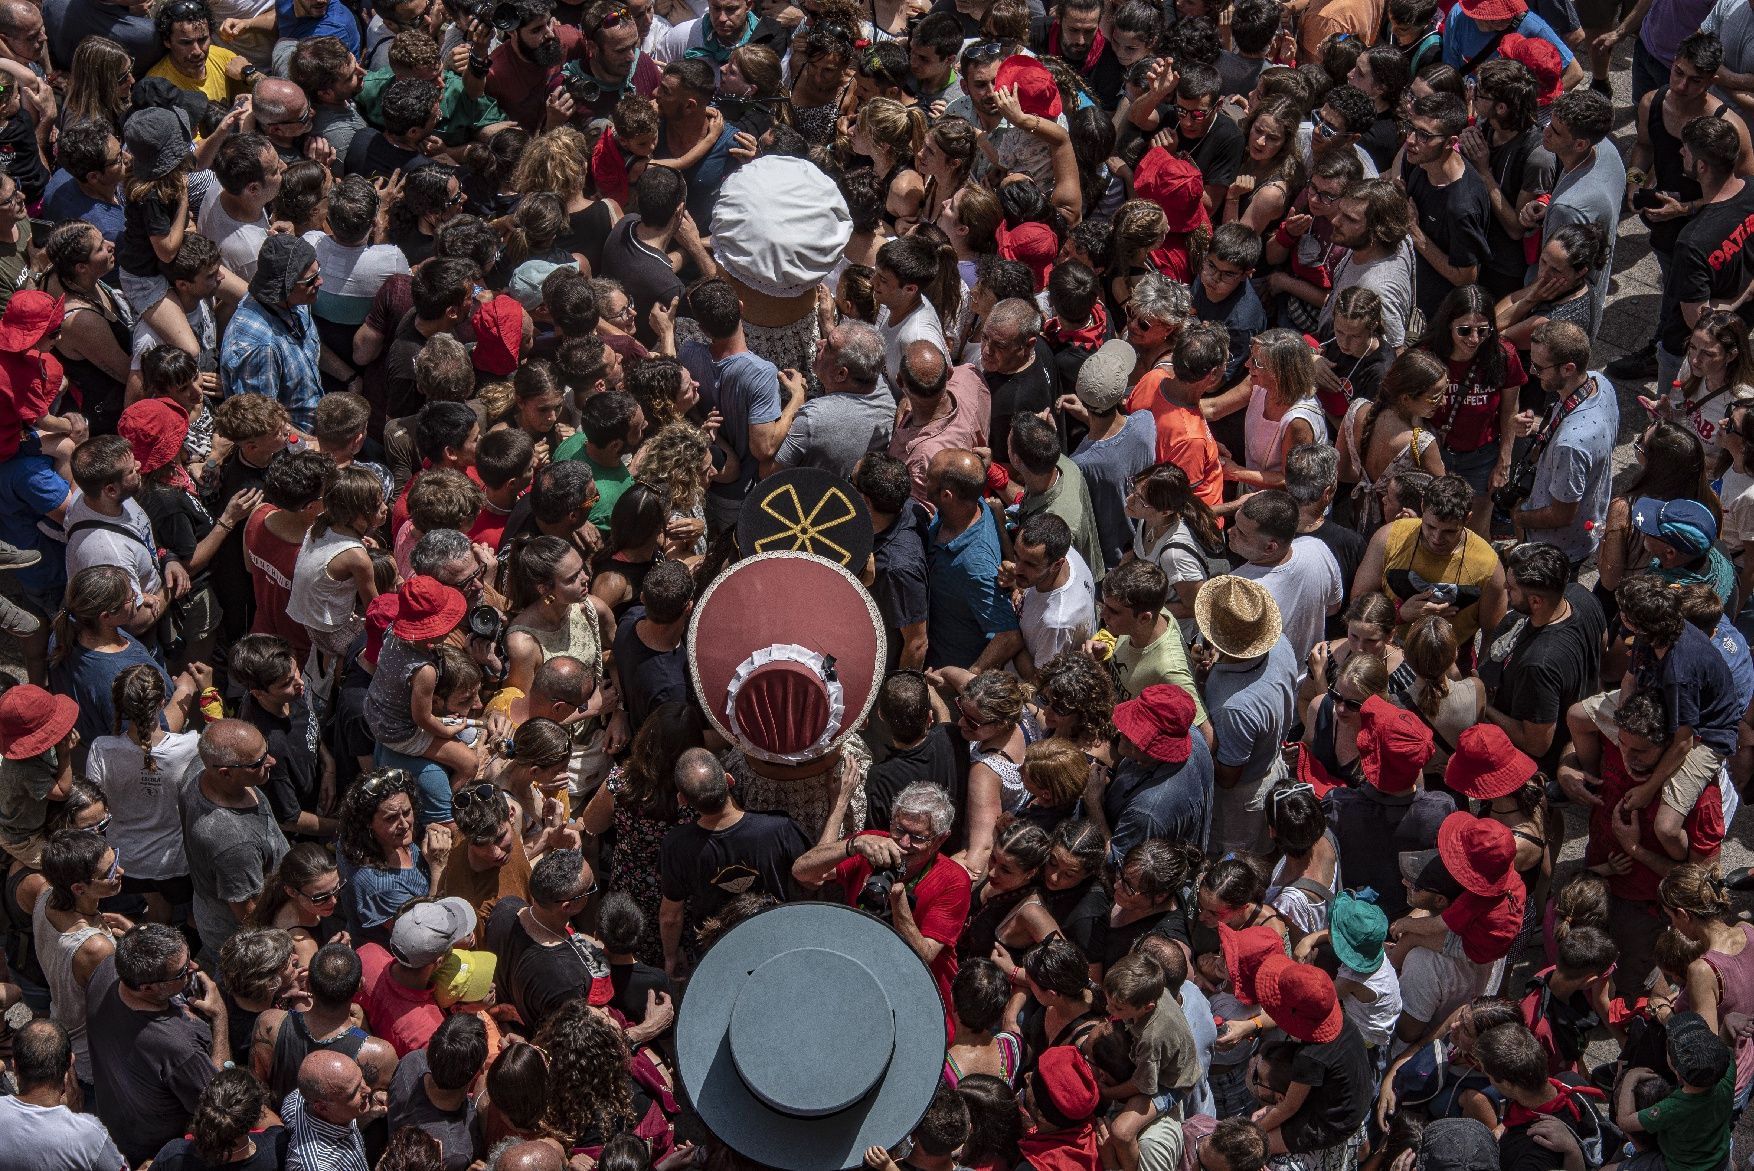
(520, 87)
(271, 561)
(1184, 437)
(405, 1017)
(1475, 421)
(940, 906)
(1704, 826)
(399, 510)
(489, 526)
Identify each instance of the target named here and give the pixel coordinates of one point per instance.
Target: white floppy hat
(780, 226)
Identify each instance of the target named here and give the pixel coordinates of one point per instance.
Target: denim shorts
(1474, 466)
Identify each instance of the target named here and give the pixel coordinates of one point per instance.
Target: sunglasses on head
(614, 17)
(984, 51)
(474, 795)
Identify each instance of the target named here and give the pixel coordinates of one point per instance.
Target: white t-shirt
(144, 805)
(1738, 509)
(54, 1138)
(1307, 588)
(921, 325)
(1377, 1019)
(352, 276)
(201, 324)
(1434, 984)
(101, 546)
(239, 243)
(1062, 619)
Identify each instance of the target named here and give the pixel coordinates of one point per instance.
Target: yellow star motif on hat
(805, 531)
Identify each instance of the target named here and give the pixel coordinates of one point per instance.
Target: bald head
(527, 1156)
(959, 472)
(333, 1087)
(19, 18)
(230, 744)
(276, 102)
(561, 679)
(702, 781)
(924, 370)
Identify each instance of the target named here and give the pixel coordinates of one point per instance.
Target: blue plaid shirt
(273, 352)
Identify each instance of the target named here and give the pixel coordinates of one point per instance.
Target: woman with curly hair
(639, 801)
(224, 1133)
(590, 1088)
(381, 866)
(679, 460)
(1075, 697)
(820, 61)
(430, 196)
(558, 162)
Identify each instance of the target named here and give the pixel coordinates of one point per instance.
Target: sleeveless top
(1367, 496)
(1012, 794)
(1667, 173)
(633, 572)
(318, 600)
(1736, 976)
(1010, 1059)
(578, 637)
(294, 1043)
(100, 395)
(388, 698)
(1304, 901)
(1321, 744)
(55, 951)
(1264, 437)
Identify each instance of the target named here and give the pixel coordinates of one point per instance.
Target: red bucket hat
(1486, 765)
(1036, 91)
(499, 335)
(32, 720)
(428, 609)
(1300, 998)
(1157, 721)
(1479, 853)
(1542, 60)
(1174, 184)
(1493, 9)
(155, 428)
(1245, 952)
(1487, 925)
(1393, 746)
(30, 317)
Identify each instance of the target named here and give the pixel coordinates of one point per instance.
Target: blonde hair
(1292, 361)
(1058, 766)
(1367, 673)
(555, 161)
(670, 459)
(899, 129)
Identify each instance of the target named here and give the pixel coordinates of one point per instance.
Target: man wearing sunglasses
(233, 840)
(1448, 198)
(1213, 142)
(271, 345)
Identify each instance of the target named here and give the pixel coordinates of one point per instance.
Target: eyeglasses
(1317, 195)
(1187, 115)
(1342, 701)
(1472, 330)
(469, 583)
(327, 896)
(298, 120)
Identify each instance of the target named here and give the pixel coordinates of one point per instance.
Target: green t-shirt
(460, 115)
(612, 479)
(1693, 1130)
(1164, 661)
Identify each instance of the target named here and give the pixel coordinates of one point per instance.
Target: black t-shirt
(1712, 262)
(1338, 1073)
(1218, 152)
(231, 577)
(371, 154)
(941, 758)
(707, 868)
(142, 219)
(1237, 74)
(632, 982)
(1347, 545)
(1696, 687)
(1537, 673)
(179, 523)
(899, 588)
(1517, 166)
(586, 232)
(1107, 77)
(538, 979)
(291, 787)
(19, 157)
(1361, 377)
(405, 398)
(151, 1067)
(648, 677)
(271, 1143)
(1364, 819)
(409, 1106)
(1033, 388)
(644, 273)
(1081, 912)
(350, 736)
(1453, 218)
(1381, 140)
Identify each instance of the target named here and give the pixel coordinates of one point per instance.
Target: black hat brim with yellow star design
(806, 510)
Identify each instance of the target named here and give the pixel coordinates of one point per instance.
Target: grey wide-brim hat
(808, 1034)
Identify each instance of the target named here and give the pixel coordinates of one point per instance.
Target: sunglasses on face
(312, 281)
(115, 867)
(1413, 131)
(586, 893)
(1341, 701)
(327, 896)
(1187, 115)
(1472, 330)
(1322, 126)
(259, 762)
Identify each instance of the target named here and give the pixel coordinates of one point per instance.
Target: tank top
(1367, 495)
(1736, 975)
(1264, 437)
(100, 395)
(1667, 173)
(392, 687)
(294, 1043)
(55, 951)
(633, 572)
(578, 637)
(318, 600)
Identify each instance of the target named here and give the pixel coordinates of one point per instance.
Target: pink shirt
(964, 427)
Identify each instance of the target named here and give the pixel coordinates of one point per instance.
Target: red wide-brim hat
(786, 651)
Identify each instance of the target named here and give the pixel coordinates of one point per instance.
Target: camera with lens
(505, 17)
(485, 623)
(1509, 496)
(875, 895)
(584, 89)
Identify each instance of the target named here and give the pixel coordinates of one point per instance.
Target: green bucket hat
(1357, 929)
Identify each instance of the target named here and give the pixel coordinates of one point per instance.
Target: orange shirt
(1183, 436)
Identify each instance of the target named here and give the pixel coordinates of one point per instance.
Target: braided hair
(138, 696)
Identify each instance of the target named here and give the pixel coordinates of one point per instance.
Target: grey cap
(158, 139)
(426, 931)
(1458, 1144)
(282, 260)
(1106, 376)
(528, 279)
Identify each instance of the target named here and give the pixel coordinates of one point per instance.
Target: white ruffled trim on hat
(818, 665)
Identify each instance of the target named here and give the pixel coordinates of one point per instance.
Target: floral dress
(633, 866)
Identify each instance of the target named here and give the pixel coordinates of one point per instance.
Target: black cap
(1698, 1055)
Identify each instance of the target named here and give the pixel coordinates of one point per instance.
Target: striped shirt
(317, 1145)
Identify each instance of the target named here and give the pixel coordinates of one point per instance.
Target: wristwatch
(251, 75)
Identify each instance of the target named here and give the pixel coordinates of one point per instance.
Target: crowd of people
(499, 498)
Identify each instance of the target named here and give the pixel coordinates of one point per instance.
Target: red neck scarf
(1096, 47)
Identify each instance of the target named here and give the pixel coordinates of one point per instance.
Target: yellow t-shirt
(1408, 568)
(216, 85)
